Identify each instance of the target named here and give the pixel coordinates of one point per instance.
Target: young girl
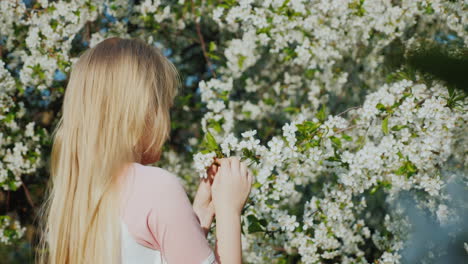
(106, 205)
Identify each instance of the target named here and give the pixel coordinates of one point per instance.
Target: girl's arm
(205, 220)
(174, 225)
(202, 203)
(230, 190)
(228, 247)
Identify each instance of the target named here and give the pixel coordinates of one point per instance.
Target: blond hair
(118, 96)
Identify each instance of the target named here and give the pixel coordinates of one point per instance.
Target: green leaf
(398, 127)
(309, 73)
(53, 23)
(384, 184)
(215, 125)
(292, 110)
(358, 7)
(256, 225)
(374, 189)
(11, 182)
(336, 141)
(321, 115)
(334, 159)
(400, 154)
(381, 107)
(429, 10)
(224, 96)
(20, 89)
(269, 101)
(209, 144)
(411, 168)
(247, 114)
(211, 140)
(408, 169)
(214, 56)
(92, 8)
(249, 154)
(290, 53)
(347, 137)
(307, 127)
(9, 118)
(265, 30)
(385, 125)
(212, 46)
(401, 170)
(241, 61)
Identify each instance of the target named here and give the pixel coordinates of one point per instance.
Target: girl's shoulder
(151, 182)
(148, 190)
(152, 187)
(153, 174)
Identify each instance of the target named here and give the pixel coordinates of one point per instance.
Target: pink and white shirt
(158, 222)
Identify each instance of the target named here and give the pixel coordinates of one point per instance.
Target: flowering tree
(308, 92)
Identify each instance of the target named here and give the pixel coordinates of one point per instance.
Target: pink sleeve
(174, 225)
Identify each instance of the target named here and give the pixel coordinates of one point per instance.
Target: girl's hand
(231, 186)
(202, 203)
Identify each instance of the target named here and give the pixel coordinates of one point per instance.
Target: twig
(344, 129)
(421, 102)
(372, 123)
(8, 201)
(86, 33)
(282, 249)
(28, 195)
(347, 110)
(202, 42)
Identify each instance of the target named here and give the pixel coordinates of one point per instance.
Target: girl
(105, 204)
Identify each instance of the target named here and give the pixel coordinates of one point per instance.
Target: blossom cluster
(397, 141)
(20, 150)
(306, 51)
(10, 230)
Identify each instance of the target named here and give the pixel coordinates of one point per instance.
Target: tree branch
(202, 42)
(28, 195)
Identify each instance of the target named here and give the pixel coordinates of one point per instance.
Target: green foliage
(398, 127)
(336, 142)
(216, 125)
(381, 184)
(255, 224)
(408, 169)
(358, 6)
(305, 135)
(322, 115)
(249, 154)
(209, 145)
(456, 98)
(385, 125)
(241, 61)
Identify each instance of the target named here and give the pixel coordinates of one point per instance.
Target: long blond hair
(118, 96)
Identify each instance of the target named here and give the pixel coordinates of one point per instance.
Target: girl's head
(115, 111)
(119, 94)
